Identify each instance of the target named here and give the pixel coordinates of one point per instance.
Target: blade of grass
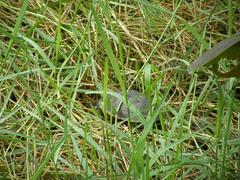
(44, 162)
(230, 17)
(226, 133)
(109, 51)
(220, 113)
(17, 26)
(82, 160)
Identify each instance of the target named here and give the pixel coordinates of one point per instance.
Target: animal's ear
(228, 48)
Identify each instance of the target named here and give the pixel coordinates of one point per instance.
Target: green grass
(58, 57)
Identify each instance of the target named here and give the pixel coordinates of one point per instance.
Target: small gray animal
(116, 105)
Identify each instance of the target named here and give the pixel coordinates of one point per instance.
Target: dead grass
(49, 128)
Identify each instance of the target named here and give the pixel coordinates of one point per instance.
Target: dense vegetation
(58, 57)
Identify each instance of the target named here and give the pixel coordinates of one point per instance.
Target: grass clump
(58, 57)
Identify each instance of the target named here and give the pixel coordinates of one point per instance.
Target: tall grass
(58, 57)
